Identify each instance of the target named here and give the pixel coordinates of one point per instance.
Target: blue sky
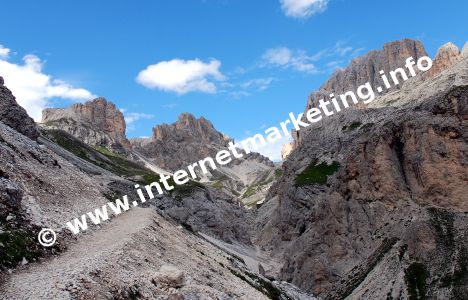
(243, 65)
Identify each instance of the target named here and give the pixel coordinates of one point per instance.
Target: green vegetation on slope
(415, 276)
(115, 163)
(278, 173)
(185, 189)
(316, 174)
(354, 125)
(101, 157)
(16, 244)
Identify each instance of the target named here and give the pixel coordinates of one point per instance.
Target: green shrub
(14, 245)
(251, 190)
(354, 125)
(278, 173)
(316, 174)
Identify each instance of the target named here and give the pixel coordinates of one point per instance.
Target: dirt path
(46, 280)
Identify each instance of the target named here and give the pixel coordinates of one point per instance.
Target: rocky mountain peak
(367, 67)
(15, 116)
(447, 55)
(97, 122)
(188, 127)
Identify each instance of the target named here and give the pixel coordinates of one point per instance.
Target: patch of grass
(186, 189)
(105, 151)
(316, 173)
(251, 190)
(278, 173)
(218, 184)
(355, 125)
(16, 244)
(415, 276)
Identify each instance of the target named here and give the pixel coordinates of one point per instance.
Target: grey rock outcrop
(170, 276)
(10, 197)
(97, 123)
(390, 221)
(15, 116)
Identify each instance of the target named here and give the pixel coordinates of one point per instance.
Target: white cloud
(286, 58)
(182, 76)
(303, 8)
(272, 150)
(4, 52)
(132, 117)
(259, 84)
(34, 89)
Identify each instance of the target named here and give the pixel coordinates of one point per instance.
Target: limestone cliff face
(14, 115)
(190, 129)
(97, 123)
(389, 219)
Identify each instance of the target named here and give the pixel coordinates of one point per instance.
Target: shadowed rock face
(392, 220)
(97, 123)
(14, 115)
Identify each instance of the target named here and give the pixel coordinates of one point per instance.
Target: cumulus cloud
(34, 89)
(287, 58)
(303, 8)
(133, 117)
(4, 52)
(272, 150)
(182, 76)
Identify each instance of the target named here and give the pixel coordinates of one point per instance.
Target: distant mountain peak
(97, 122)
